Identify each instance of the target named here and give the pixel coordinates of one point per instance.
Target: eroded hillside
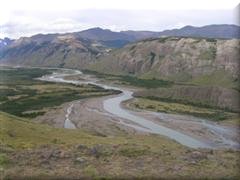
(179, 59)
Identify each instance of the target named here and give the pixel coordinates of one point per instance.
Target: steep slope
(174, 58)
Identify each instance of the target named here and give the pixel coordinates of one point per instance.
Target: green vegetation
(209, 54)
(211, 40)
(198, 39)
(23, 96)
(201, 104)
(21, 76)
(152, 57)
(154, 104)
(147, 83)
(21, 133)
(132, 80)
(39, 151)
(163, 39)
(218, 78)
(133, 151)
(3, 160)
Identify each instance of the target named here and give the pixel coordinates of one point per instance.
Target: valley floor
(36, 146)
(90, 115)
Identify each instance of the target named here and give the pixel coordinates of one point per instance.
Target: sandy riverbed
(88, 114)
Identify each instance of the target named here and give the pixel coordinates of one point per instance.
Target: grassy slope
(218, 78)
(178, 108)
(131, 80)
(28, 149)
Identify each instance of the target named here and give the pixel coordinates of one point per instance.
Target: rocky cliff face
(174, 58)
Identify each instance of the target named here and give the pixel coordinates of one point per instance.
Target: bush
(3, 160)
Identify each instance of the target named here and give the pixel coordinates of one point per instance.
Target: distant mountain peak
(225, 31)
(188, 27)
(96, 29)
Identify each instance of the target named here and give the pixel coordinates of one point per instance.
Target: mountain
(224, 31)
(79, 49)
(174, 58)
(5, 42)
(106, 37)
(62, 50)
(52, 50)
(138, 35)
(210, 31)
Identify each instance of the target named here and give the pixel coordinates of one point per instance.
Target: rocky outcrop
(173, 58)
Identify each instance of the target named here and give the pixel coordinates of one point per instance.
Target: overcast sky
(27, 17)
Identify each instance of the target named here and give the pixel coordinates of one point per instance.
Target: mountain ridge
(209, 31)
(98, 46)
(140, 34)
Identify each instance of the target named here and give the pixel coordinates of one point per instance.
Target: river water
(113, 106)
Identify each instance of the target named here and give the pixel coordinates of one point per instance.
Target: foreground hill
(31, 150)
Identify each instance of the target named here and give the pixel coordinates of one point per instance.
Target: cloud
(28, 22)
(122, 5)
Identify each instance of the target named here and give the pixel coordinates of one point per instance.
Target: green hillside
(41, 151)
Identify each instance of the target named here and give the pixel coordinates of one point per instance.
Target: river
(113, 106)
